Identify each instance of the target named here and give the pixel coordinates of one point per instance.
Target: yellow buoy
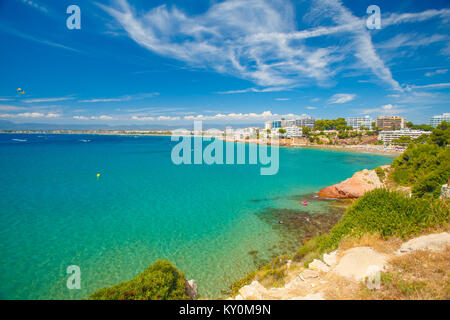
(98, 175)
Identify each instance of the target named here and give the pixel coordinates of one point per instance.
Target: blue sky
(234, 61)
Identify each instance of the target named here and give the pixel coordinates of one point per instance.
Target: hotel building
(436, 120)
(357, 122)
(294, 131)
(390, 123)
(388, 136)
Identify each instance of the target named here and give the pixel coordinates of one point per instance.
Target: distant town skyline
(167, 63)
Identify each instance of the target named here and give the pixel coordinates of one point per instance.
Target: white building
(357, 122)
(268, 125)
(251, 132)
(305, 121)
(293, 131)
(388, 136)
(436, 120)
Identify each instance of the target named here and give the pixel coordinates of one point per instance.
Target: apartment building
(389, 135)
(389, 123)
(357, 122)
(436, 120)
(294, 132)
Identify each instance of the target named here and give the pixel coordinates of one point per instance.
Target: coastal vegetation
(385, 214)
(425, 165)
(160, 281)
(424, 127)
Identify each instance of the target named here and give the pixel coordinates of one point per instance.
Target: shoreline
(354, 148)
(348, 148)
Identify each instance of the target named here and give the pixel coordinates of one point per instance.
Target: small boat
(304, 203)
(19, 140)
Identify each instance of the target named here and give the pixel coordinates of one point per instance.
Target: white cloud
(258, 39)
(271, 89)
(235, 36)
(340, 98)
(160, 118)
(257, 117)
(429, 86)
(311, 108)
(413, 40)
(119, 99)
(101, 117)
(35, 39)
(29, 115)
(389, 109)
(101, 100)
(35, 5)
(439, 71)
(46, 100)
(395, 18)
(283, 99)
(80, 117)
(4, 107)
(53, 115)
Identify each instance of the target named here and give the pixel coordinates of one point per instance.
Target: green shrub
(424, 166)
(160, 281)
(441, 135)
(380, 173)
(429, 186)
(384, 212)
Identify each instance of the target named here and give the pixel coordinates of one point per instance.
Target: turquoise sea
(214, 222)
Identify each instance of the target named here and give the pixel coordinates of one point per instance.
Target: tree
(160, 281)
(402, 141)
(268, 131)
(336, 124)
(441, 135)
(424, 127)
(306, 131)
(282, 131)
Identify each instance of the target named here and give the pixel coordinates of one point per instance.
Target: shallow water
(55, 212)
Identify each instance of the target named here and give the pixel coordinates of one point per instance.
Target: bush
(380, 173)
(424, 166)
(383, 212)
(441, 135)
(160, 281)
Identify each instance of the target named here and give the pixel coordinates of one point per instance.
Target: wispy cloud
(429, 86)
(340, 98)
(35, 5)
(395, 18)
(122, 98)
(390, 109)
(4, 107)
(433, 73)
(29, 115)
(104, 100)
(231, 38)
(160, 118)
(20, 34)
(38, 100)
(255, 90)
(258, 40)
(413, 40)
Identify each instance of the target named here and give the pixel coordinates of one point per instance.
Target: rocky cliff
(354, 187)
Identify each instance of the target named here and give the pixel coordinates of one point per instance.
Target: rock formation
(432, 242)
(354, 187)
(191, 289)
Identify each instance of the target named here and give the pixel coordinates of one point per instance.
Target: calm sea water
(54, 212)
